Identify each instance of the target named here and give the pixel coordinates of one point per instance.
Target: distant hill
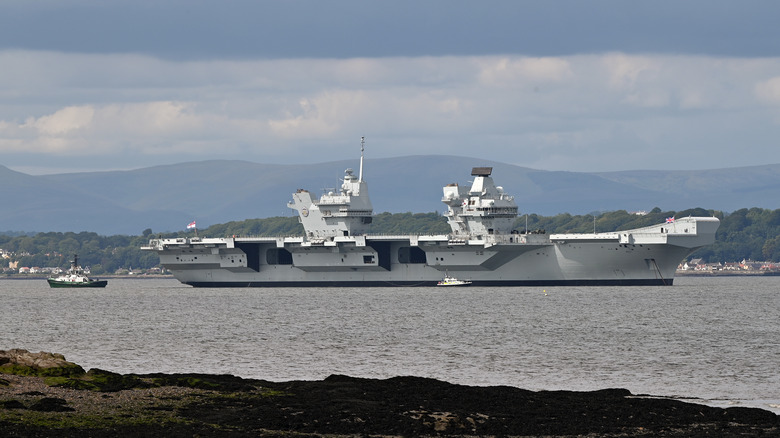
(166, 198)
(721, 189)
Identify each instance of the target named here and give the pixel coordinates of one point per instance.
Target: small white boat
(452, 281)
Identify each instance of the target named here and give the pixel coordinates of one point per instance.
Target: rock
(50, 404)
(413, 406)
(344, 406)
(41, 360)
(12, 404)
(23, 363)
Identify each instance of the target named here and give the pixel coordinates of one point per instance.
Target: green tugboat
(76, 277)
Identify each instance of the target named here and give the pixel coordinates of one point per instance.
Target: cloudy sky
(556, 84)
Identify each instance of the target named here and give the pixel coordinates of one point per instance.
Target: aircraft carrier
(337, 250)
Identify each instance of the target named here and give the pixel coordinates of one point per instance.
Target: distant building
(693, 264)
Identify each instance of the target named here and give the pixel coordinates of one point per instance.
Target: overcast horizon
(595, 86)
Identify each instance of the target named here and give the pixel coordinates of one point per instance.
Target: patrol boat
(337, 250)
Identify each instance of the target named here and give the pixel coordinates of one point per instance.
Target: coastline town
(10, 267)
(744, 267)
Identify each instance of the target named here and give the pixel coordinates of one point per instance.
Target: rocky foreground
(43, 395)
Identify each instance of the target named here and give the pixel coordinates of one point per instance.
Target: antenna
(362, 146)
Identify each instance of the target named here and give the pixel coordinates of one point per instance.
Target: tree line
(752, 234)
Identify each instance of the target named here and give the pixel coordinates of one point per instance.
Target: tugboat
(76, 277)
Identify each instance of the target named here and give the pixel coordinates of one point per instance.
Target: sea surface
(713, 340)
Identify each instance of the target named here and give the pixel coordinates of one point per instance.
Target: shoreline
(105, 277)
(41, 394)
(679, 273)
(727, 274)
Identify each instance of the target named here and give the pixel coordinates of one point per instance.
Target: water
(713, 339)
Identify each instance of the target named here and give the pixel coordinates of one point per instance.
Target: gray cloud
(247, 29)
(559, 85)
(589, 112)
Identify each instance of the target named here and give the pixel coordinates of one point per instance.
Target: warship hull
(646, 256)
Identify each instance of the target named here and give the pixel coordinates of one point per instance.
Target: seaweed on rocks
(109, 404)
(413, 406)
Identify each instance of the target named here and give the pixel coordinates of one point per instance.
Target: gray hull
(645, 256)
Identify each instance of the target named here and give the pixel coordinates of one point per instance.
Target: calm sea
(716, 340)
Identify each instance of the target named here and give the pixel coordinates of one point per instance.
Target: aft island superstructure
(336, 248)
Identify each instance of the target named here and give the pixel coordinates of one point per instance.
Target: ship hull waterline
(488, 283)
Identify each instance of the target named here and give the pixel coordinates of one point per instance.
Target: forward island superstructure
(337, 250)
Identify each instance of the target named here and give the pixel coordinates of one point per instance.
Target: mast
(362, 144)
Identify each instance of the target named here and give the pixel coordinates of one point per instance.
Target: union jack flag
(669, 220)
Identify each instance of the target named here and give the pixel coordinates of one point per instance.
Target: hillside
(166, 198)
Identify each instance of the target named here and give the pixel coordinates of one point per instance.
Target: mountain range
(167, 198)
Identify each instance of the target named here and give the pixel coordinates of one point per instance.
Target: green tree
(69, 246)
(771, 249)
